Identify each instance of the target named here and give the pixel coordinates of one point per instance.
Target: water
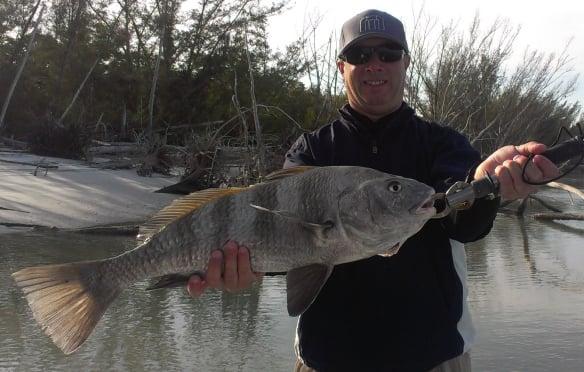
(526, 295)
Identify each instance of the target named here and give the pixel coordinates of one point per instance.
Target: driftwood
(20, 145)
(563, 186)
(559, 216)
(13, 210)
(117, 164)
(35, 164)
(545, 204)
(10, 224)
(115, 149)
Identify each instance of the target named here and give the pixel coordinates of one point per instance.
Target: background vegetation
(157, 71)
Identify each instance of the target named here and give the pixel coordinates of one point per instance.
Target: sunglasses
(359, 55)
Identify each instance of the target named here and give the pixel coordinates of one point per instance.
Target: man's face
(375, 88)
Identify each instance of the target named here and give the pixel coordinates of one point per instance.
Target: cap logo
(371, 24)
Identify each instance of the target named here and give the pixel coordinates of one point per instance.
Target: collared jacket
(406, 312)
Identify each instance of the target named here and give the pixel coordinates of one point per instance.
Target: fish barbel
(302, 221)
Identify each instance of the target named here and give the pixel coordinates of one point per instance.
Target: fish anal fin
(181, 207)
(303, 284)
(171, 281)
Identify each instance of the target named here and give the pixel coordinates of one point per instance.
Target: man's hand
(507, 164)
(229, 270)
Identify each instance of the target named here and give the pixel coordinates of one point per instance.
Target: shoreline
(71, 195)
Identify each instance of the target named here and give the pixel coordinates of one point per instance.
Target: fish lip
(425, 206)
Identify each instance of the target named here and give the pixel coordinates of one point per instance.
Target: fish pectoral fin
(170, 281)
(304, 284)
(319, 227)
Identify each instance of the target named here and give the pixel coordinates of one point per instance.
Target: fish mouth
(427, 206)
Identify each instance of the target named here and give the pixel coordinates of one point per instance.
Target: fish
(302, 221)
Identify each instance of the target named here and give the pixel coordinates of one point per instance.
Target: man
(407, 312)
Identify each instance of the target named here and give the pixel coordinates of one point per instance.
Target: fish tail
(67, 300)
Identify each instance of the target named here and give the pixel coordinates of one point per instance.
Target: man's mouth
(375, 82)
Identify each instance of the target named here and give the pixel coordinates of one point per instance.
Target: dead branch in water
(563, 186)
(545, 204)
(559, 216)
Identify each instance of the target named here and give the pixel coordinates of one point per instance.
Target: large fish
(304, 221)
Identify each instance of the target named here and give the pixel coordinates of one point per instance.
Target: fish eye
(394, 186)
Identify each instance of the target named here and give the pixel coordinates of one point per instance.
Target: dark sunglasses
(359, 55)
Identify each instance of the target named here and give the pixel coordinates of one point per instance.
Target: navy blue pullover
(397, 313)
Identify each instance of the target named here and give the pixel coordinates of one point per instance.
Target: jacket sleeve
(455, 160)
(300, 153)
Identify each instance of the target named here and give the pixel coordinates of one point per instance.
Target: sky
(546, 26)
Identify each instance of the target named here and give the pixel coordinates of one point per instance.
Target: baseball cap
(372, 23)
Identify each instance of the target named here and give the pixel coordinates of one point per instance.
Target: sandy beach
(73, 194)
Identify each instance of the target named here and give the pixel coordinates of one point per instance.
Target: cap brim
(370, 36)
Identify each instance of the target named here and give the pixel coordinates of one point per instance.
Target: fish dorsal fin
(303, 284)
(181, 207)
(283, 173)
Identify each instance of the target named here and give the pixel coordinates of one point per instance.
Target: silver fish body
(303, 224)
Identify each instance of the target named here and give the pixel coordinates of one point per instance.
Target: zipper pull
(374, 149)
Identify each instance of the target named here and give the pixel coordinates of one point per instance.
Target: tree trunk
(254, 107)
(77, 93)
(154, 82)
(20, 68)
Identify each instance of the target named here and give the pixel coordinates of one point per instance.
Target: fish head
(384, 211)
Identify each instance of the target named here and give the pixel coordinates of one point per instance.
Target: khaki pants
(459, 364)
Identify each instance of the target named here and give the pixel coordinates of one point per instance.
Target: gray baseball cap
(372, 23)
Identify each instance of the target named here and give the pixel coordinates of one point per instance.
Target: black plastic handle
(485, 186)
(565, 150)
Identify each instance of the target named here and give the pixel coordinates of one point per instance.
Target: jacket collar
(363, 124)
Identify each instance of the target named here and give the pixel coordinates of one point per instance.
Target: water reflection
(145, 330)
(526, 293)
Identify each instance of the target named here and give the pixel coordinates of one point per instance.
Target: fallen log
(13, 210)
(34, 164)
(115, 149)
(559, 216)
(14, 143)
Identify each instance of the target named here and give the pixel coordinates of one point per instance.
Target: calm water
(526, 292)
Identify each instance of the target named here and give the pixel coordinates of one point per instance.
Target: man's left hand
(507, 164)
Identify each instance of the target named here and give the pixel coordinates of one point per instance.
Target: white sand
(75, 195)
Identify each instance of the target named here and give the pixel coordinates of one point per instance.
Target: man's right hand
(229, 270)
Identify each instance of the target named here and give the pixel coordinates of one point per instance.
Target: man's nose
(374, 63)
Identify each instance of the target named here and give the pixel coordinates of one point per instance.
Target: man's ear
(407, 61)
(341, 66)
